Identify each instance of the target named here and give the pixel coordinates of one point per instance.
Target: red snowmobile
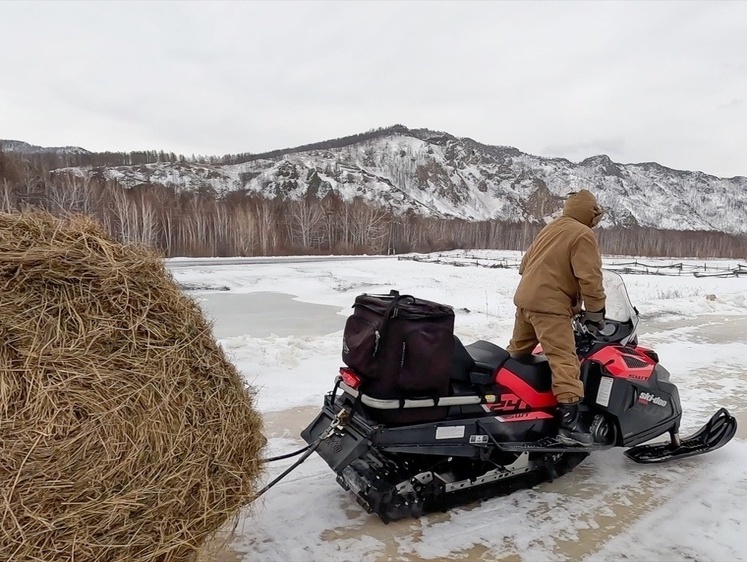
(495, 429)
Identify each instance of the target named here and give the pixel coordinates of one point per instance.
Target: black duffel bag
(401, 346)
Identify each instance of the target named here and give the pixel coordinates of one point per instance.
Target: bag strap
(389, 312)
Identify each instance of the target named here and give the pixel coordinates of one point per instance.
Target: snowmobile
(496, 431)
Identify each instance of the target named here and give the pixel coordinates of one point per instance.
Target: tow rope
(338, 423)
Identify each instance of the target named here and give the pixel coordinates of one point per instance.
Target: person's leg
(555, 334)
(558, 342)
(524, 339)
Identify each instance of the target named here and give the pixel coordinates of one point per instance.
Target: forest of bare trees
(203, 223)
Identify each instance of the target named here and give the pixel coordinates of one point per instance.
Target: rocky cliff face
(437, 174)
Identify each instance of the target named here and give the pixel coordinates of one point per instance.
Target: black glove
(593, 319)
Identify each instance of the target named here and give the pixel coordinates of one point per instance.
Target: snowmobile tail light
(349, 377)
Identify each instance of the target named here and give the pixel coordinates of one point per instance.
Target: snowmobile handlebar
(614, 331)
(589, 331)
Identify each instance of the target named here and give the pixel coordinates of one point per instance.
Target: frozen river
(265, 314)
(608, 508)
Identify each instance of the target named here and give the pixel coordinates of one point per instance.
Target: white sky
(639, 81)
(608, 508)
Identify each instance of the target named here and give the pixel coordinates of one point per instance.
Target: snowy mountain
(26, 148)
(437, 174)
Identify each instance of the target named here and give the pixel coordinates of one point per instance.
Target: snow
(607, 508)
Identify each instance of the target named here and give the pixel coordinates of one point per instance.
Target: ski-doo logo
(648, 398)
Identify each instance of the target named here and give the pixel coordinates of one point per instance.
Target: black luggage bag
(402, 347)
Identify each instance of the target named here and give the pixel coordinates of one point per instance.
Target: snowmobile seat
(488, 358)
(532, 369)
(462, 362)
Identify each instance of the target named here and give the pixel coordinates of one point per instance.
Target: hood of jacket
(583, 207)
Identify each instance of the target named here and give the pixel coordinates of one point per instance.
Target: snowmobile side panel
(462, 438)
(524, 390)
(549, 445)
(625, 362)
(643, 408)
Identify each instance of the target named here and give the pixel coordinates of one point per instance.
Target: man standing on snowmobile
(562, 268)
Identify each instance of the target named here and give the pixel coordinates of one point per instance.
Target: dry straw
(125, 433)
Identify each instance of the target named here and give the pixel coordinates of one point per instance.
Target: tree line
(239, 223)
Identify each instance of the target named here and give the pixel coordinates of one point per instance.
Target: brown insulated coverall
(561, 268)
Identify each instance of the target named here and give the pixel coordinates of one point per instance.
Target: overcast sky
(638, 81)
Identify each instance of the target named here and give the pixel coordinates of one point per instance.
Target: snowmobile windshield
(621, 316)
(619, 307)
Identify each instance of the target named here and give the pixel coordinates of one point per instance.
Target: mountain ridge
(434, 173)
(28, 148)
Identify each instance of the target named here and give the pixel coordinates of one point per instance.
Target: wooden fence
(696, 269)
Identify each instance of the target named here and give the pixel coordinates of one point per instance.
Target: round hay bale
(125, 433)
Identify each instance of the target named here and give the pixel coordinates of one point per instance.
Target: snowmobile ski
(717, 432)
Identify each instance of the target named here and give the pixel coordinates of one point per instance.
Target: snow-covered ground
(608, 508)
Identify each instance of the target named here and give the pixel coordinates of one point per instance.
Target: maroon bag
(400, 345)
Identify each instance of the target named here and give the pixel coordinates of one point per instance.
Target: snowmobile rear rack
(397, 403)
(716, 433)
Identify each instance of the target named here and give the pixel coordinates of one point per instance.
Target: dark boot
(574, 426)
